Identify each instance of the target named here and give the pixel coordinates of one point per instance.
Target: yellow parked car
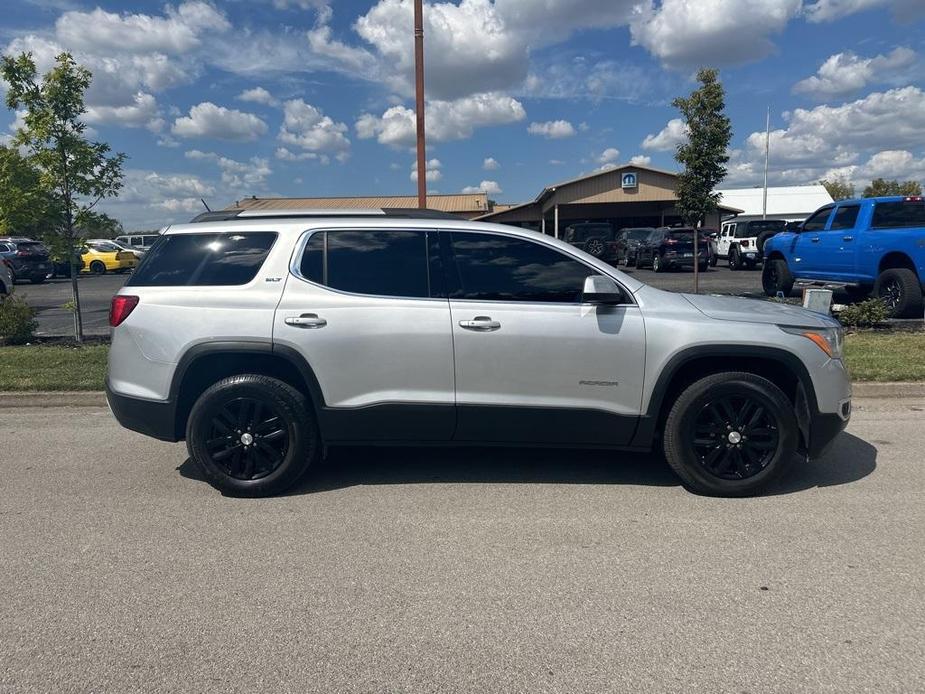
(100, 258)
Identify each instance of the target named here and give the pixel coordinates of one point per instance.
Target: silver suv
(262, 337)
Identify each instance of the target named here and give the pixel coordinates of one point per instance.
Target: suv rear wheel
(735, 260)
(730, 434)
(252, 435)
(900, 290)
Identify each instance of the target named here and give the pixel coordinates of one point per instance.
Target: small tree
(881, 186)
(839, 188)
(78, 173)
(704, 155)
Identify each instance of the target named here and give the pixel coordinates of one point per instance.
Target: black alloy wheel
(594, 247)
(734, 437)
(248, 439)
(901, 291)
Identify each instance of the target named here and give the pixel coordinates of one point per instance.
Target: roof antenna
(208, 209)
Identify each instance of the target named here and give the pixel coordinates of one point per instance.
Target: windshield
(750, 229)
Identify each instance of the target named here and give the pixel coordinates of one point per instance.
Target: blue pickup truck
(872, 245)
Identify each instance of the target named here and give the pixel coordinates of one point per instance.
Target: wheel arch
(204, 364)
(779, 366)
(895, 260)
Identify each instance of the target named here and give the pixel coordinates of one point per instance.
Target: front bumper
(155, 418)
(819, 429)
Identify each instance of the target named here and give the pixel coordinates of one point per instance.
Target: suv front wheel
(730, 434)
(252, 435)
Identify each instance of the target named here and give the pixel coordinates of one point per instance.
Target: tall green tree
(77, 171)
(839, 188)
(881, 186)
(704, 155)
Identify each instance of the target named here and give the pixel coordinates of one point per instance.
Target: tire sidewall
(300, 428)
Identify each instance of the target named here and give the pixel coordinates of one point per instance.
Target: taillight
(913, 198)
(745, 243)
(122, 305)
(671, 242)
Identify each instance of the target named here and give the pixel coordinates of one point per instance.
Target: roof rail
(280, 213)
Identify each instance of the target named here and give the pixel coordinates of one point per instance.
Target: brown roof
(461, 203)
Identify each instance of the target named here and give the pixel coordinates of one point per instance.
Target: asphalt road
(96, 293)
(435, 570)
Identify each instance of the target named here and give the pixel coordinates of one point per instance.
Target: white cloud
(846, 72)
(490, 164)
(446, 120)
(258, 95)
(142, 113)
(208, 120)
(552, 129)
(242, 177)
(284, 154)
(179, 31)
(432, 171)
(490, 187)
(891, 164)
(305, 126)
(609, 156)
(640, 160)
(828, 10)
(668, 138)
(687, 33)
(829, 138)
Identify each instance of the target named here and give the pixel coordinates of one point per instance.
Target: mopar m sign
(628, 180)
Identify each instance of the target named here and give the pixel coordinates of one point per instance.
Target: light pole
(419, 96)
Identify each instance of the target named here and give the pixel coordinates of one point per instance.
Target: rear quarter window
(223, 259)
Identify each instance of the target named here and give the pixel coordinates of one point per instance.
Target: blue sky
(223, 100)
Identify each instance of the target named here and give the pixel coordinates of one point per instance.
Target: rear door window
(845, 217)
(223, 259)
(377, 263)
(492, 267)
(898, 215)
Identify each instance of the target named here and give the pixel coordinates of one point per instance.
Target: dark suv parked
(27, 259)
(594, 238)
(627, 244)
(670, 247)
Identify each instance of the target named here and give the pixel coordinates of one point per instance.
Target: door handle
(480, 323)
(815, 239)
(847, 238)
(306, 320)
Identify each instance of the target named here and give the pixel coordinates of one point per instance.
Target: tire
(776, 278)
(699, 434)
(735, 261)
(763, 239)
(37, 279)
(713, 260)
(256, 466)
(657, 263)
(900, 290)
(97, 267)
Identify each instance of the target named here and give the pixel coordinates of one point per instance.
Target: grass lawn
(871, 356)
(52, 367)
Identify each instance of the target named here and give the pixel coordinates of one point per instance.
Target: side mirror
(599, 289)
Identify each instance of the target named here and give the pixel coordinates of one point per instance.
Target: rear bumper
(155, 418)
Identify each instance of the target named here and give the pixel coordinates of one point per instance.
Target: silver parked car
(261, 336)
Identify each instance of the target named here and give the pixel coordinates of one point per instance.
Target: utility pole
(767, 154)
(419, 94)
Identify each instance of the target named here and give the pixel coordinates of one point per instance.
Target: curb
(95, 398)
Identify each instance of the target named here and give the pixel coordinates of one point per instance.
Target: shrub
(865, 314)
(17, 320)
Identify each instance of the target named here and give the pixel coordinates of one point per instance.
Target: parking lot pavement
(457, 570)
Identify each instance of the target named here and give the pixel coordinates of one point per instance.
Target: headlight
(829, 340)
